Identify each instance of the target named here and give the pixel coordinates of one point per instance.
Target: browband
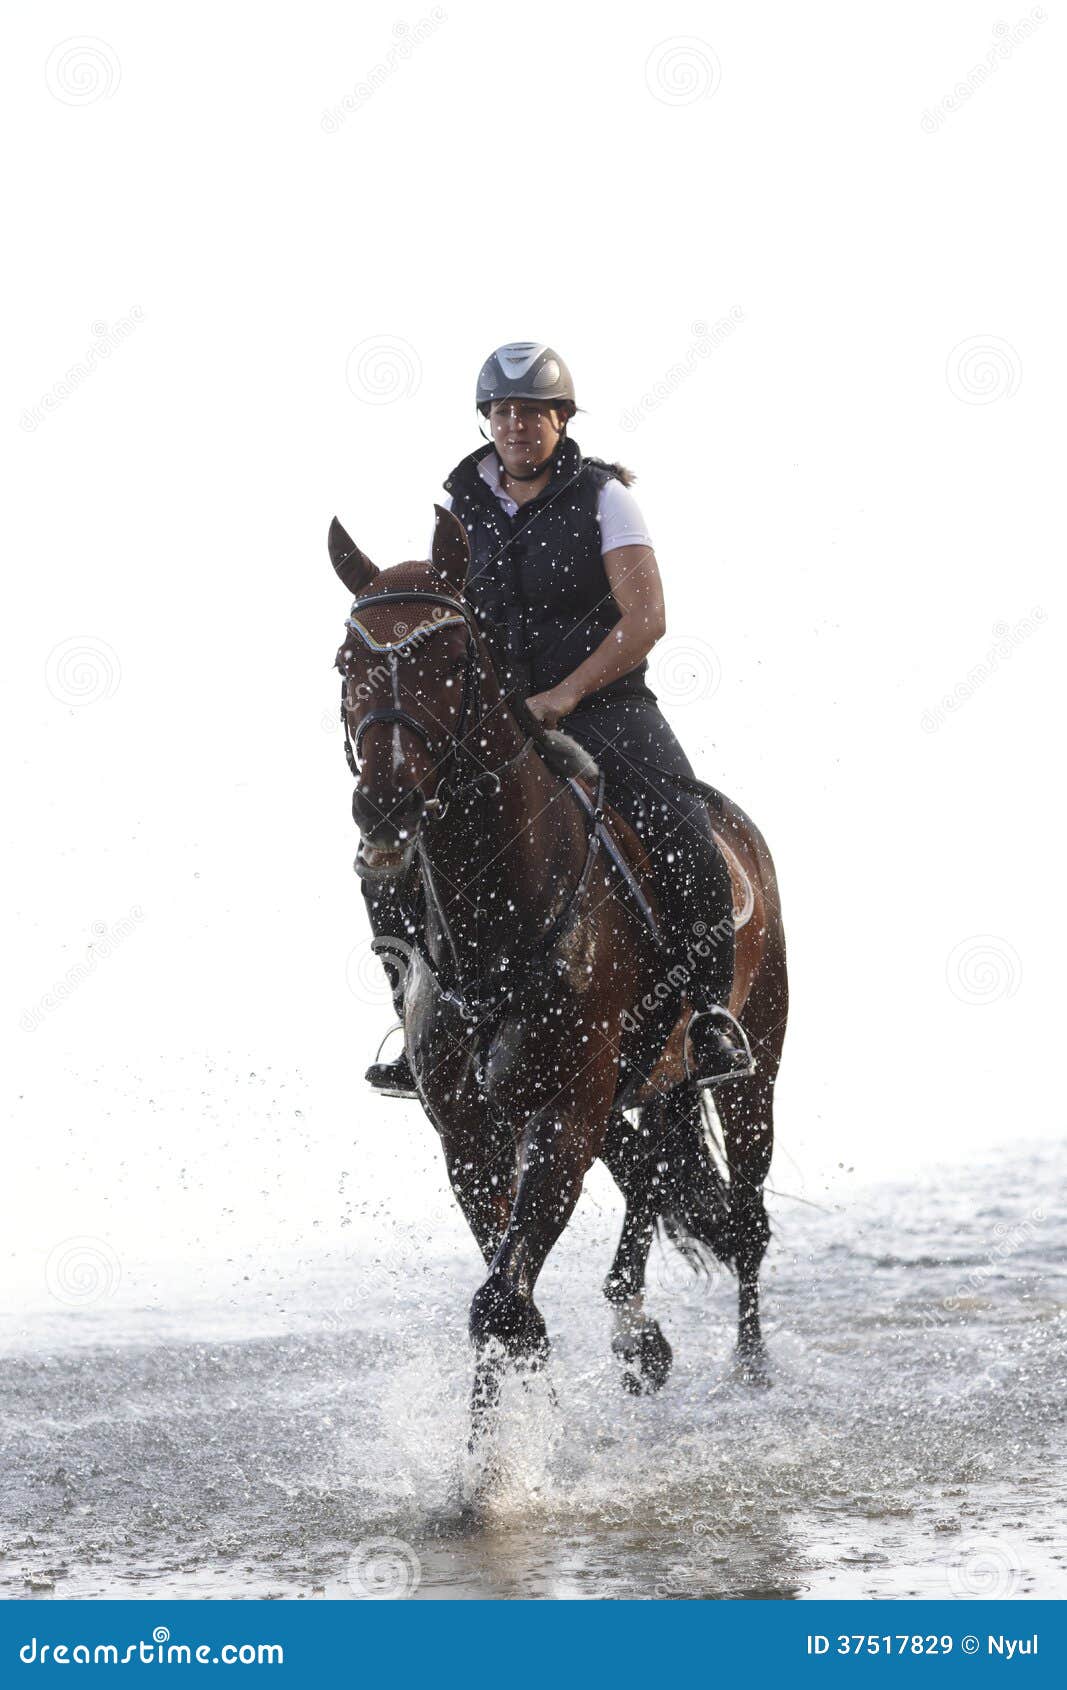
(368, 638)
(459, 612)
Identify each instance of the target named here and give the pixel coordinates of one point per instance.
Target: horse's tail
(691, 1192)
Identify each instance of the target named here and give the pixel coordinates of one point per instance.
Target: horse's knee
(501, 1314)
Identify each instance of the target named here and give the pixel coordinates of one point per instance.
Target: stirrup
(397, 1027)
(382, 1076)
(740, 1068)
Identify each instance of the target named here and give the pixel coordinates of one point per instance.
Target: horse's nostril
(388, 822)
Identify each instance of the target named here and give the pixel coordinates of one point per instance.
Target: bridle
(469, 720)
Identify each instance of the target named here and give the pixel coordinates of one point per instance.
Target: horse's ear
(355, 570)
(451, 549)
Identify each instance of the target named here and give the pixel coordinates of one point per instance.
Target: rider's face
(525, 433)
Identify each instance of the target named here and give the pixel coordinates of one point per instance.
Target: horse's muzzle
(388, 835)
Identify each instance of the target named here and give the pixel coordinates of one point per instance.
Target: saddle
(572, 762)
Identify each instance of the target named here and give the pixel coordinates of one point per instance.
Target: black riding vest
(539, 575)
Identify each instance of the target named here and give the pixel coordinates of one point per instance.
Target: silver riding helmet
(525, 369)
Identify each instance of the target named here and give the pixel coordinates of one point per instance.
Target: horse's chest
(578, 956)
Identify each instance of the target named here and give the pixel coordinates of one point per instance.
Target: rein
(471, 998)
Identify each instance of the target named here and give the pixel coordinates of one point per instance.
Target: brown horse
(541, 1022)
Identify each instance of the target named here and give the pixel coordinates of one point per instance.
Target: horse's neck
(503, 865)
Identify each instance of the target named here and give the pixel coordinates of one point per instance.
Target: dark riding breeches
(693, 881)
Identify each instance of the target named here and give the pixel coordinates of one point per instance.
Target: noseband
(470, 706)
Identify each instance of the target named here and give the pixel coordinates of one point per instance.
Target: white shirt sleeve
(619, 515)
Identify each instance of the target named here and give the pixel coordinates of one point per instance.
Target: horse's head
(410, 662)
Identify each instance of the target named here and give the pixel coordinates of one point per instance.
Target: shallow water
(304, 1434)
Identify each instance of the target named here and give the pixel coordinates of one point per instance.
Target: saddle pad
(740, 884)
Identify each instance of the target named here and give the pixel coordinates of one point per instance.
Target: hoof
(646, 1358)
(501, 1314)
(751, 1368)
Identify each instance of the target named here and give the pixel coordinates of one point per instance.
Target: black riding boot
(392, 912)
(695, 886)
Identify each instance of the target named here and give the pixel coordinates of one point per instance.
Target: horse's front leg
(479, 1150)
(560, 1141)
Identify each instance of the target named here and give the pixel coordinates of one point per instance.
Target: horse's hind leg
(746, 1110)
(637, 1340)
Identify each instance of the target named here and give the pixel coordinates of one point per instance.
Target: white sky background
(844, 503)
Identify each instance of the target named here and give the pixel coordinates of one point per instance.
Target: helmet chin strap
(546, 467)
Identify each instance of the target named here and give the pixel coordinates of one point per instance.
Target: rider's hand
(550, 707)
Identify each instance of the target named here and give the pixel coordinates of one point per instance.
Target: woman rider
(562, 563)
